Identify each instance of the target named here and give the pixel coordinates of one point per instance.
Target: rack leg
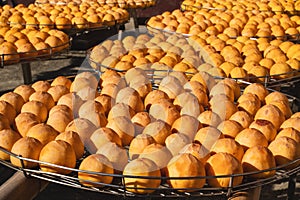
(20, 187)
(134, 16)
(6, 173)
(251, 194)
(27, 76)
(292, 187)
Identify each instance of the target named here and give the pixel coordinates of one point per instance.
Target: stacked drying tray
(147, 128)
(129, 5)
(277, 6)
(247, 44)
(89, 18)
(23, 42)
(119, 3)
(71, 17)
(40, 31)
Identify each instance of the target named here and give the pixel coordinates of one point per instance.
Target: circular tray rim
(124, 5)
(190, 7)
(118, 188)
(65, 46)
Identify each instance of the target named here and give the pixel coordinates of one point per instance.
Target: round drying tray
(63, 17)
(77, 28)
(276, 6)
(101, 58)
(133, 4)
(36, 55)
(168, 31)
(131, 49)
(233, 23)
(117, 187)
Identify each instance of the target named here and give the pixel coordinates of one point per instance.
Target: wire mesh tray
(63, 17)
(164, 190)
(118, 188)
(271, 81)
(293, 38)
(100, 65)
(69, 28)
(135, 4)
(153, 75)
(287, 37)
(186, 7)
(272, 84)
(9, 59)
(193, 7)
(72, 29)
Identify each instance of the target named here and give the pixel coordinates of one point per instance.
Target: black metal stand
(133, 14)
(27, 76)
(20, 187)
(6, 173)
(292, 187)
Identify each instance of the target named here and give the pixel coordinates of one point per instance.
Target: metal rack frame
(164, 191)
(186, 7)
(117, 188)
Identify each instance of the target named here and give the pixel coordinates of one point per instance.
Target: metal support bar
(20, 187)
(292, 187)
(133, 14)
(6, 173)
(251, 194)
(27, 76)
